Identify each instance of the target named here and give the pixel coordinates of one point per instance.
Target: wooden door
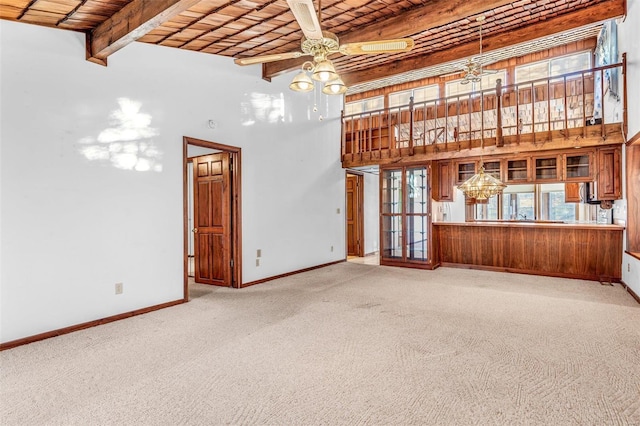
(212, 219)
(354, 215)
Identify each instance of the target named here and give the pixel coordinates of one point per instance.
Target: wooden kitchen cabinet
(517, 170)
(609, 173)
(572, 192)
(443, 181)
(578, 167)
(546, 169)
(464, 170)
(493, 168)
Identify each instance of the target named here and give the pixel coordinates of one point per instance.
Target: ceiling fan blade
(268, 58)
(305, 14)
(381, 46)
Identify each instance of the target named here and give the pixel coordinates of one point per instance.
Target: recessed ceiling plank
(129, 24)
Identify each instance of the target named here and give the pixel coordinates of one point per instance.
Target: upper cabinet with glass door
(578, 167)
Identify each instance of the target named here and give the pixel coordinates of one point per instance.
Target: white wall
(628, 35)
(371, 213)
(91, 174)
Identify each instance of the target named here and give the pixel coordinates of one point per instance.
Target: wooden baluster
(499, 141)
(411, 125)
(549, 110)
(533, 113)
(446, 122)
(389, 127)
(470, 108)
(481, 120)
(458, 110)
(566, 106)
(584, 104)
(381, 114)
(518, 129)
(367, 143)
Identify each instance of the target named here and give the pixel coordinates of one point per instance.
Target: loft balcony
(572, 110)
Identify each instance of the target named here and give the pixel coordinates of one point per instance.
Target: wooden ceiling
(443, 30)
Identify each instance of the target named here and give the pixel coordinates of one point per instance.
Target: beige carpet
(347, 344)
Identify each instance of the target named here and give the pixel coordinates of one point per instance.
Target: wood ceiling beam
(596, 13)
(129, 24)
(434, 14)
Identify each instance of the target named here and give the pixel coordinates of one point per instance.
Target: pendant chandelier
(481, 186)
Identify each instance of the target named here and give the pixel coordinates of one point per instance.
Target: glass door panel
(392, 192)
(392, 237)
(416, 191)
(417, 237)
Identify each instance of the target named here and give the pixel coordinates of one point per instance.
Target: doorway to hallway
(212, 213)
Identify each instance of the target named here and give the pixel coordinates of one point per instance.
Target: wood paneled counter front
(587, 251)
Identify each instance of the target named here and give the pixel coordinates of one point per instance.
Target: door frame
(360, 211)
(236, 208)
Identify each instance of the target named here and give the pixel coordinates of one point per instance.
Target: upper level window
(553, 67)
(420, 94)
(488, 81)
(364, 105)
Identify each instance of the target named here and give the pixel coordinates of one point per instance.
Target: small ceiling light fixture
(334, 87)
(324, 71)
(301, 82)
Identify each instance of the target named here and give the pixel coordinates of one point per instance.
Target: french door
(405, 216)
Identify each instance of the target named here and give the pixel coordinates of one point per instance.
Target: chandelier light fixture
(472, 71)
(481, 186)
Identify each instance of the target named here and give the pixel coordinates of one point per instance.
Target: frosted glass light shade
(324, 71)
(301, 83)
(334, 87)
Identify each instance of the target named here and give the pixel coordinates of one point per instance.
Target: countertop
(534, 224)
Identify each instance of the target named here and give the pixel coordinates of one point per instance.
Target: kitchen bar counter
(572, 250)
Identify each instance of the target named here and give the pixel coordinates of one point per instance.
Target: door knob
(194, 230)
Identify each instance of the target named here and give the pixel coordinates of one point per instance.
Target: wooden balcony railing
(566, 106)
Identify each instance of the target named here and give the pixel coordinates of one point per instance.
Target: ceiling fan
(320, 44)
(472, 71)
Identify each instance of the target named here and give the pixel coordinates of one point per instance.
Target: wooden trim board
(288, 274)
(85, 325)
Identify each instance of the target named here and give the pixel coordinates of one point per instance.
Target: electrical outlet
(259, 253)
(338, 210)
(331, 248)
(119, 288)
(257, 262)
(628, 267)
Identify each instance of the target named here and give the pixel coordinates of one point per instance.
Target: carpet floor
(347, 344)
